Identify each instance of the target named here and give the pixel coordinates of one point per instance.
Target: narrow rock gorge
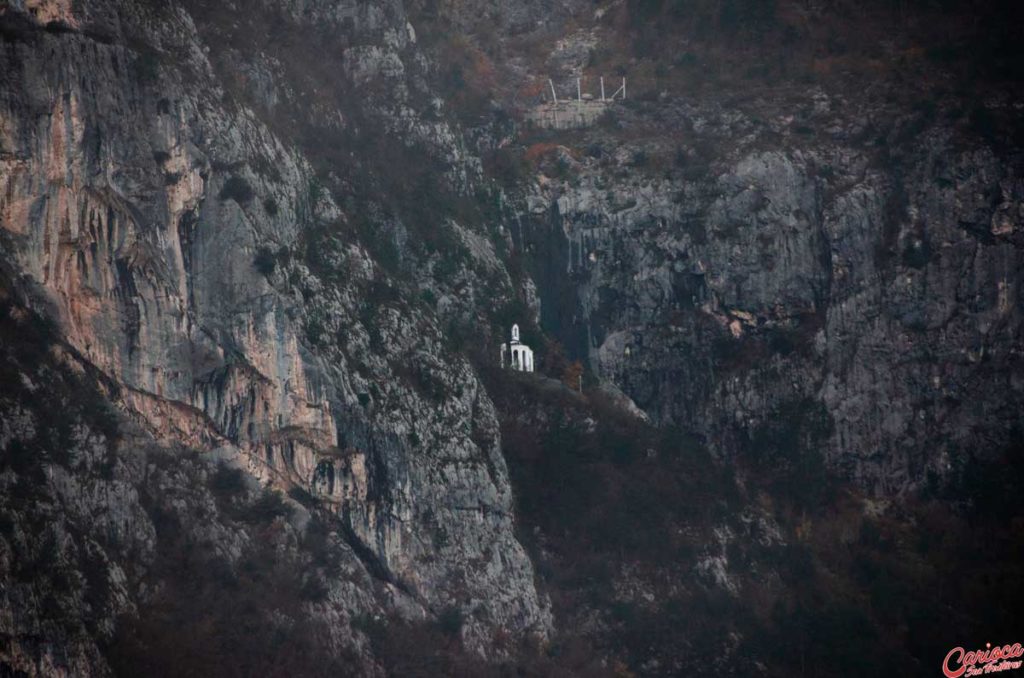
(257, 261)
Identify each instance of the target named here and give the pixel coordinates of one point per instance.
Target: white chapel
(516, 355)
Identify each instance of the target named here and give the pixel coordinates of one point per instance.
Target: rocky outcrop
(105, 533)
(874, 296)
(146, 199)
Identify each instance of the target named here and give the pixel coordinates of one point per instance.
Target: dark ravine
(256, 260)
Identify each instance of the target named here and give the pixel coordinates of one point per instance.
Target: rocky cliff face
(877, 297)
(120, 552)
(145, 207)
(730, 249)
(284, 238)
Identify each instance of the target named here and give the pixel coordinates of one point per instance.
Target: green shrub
(266, 509)
(227, 482)
(916, 255)
(314, 590)
(302, 496)
(238, 189)
(450, 621)
(146, 66)
(265, 261)
(315, 329)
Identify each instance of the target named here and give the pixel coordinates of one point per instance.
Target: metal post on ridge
(621, 89)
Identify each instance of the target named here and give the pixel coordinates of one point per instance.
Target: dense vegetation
(610, 507)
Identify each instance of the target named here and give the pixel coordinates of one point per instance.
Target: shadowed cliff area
(658, 557)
